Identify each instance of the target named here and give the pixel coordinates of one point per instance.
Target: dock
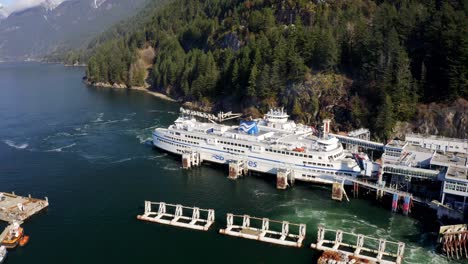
(453, 240)
(173, 214)
(264, 232)
(15, 208)
(357, 246)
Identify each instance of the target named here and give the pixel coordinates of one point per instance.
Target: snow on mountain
(3, 13)
(52, 25)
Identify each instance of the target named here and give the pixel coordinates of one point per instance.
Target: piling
(191, 159)
(395, 202)
(406, 204)
(282, 176)
(237, 168)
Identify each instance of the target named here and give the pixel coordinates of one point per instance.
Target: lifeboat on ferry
(299, 149)
(23, 241)
(13, 237)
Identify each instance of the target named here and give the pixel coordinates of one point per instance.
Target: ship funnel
(249, 127)
(326, 126)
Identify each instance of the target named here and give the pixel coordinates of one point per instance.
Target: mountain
(59, 25)
(3, 13)
(363, 63)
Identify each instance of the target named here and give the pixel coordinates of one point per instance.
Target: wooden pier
(264, 233)
(357, 246)
(454, 240)
(173, 214)
(14, 208)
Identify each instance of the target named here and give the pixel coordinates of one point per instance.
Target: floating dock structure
(173, 214)
(264, 233)
(14, 208)
(377, 250)
(220, 117)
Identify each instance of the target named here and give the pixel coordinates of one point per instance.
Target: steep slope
(362, 62)
(39, 30)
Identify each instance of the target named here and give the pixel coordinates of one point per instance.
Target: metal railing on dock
(364, 247)
(264, 233)
(173, 214)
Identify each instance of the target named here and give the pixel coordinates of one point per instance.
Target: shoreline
(138, 88)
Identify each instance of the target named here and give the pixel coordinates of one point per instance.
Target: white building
(438, 143)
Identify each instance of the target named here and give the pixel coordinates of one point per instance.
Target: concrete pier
(190, 159)
(264, 231)
(375, 250)
(282, 177)
(173, 214)
(237, 168)
(14, 208)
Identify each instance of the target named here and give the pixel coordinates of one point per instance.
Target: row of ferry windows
(194, 137)
(318, 164)
(327, 172)
(291, 153)
(235, 150)
(337, 155)
(233, 144)
(246, 146)
(183, 140)
(168, 142)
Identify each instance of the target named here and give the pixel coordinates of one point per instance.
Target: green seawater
(89, 151)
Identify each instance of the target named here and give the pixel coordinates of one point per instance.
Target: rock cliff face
(449, 120)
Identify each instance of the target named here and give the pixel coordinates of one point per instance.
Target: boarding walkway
(367, 144)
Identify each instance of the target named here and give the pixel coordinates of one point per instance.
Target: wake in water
(65, 134)
(99, 118)
(61, 148)
(161, 111)
(15, 145)
(171, 168)
(114, 121)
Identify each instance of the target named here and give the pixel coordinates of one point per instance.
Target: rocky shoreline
(123, 86)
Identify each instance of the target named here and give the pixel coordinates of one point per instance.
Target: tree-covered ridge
(259, 53)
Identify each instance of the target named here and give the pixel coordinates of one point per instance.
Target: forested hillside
(365, 63)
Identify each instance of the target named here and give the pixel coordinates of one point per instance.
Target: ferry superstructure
(266, 145)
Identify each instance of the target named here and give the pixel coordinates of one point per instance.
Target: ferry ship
(265, 145)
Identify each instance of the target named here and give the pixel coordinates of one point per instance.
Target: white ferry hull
(256, 163)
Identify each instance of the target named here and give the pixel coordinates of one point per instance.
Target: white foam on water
(145, 140)
(156, 157)
(61, 148)
(170, 168)
(15, 145)
(64, 134)
(259, 193)
(113, 121)
(94, 157)
(162, 111)
(99, 118)
(121, 160)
